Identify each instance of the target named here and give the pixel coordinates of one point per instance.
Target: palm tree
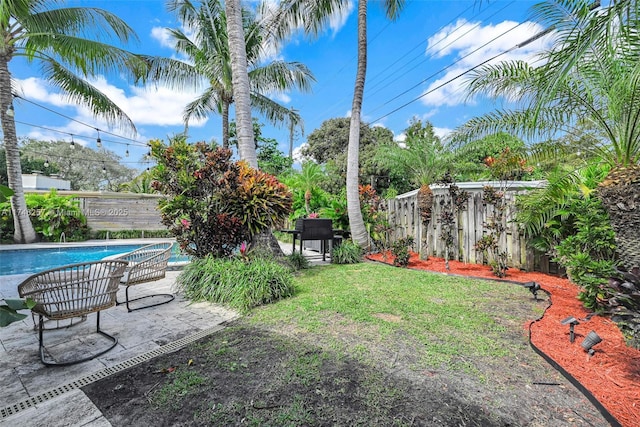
(356, 223)
(56, 37)
(601, 89)
(210, 66)
(312, 16)
(240, 79)
(309, 178)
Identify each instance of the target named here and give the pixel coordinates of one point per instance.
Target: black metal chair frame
(146, 264)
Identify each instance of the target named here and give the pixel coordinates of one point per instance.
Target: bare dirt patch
(388, 317)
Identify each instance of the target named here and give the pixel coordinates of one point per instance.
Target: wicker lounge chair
(146, 264)
(72, 291)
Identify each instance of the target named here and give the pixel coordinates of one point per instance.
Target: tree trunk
(356, 223)
(240, 79)
(24, 232)
(268, 242)
(225, 124)
(620, 195)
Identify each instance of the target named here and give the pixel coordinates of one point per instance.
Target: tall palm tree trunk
(225, 124)
(240, 78)
(23, 229)
(356, 223)
(620, 195)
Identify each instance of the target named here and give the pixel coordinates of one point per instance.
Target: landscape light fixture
(572, 322)
(533, 288)
(589, 341)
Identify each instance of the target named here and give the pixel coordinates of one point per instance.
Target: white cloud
(442, 133)
(298, 158)
(146, 106)
(282, 98)
(338, 19)
(463, 41)
(162, 36)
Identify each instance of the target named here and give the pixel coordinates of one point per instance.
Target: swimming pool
(25, 261)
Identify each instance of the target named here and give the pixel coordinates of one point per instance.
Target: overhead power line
(517, 46)
(448, 66)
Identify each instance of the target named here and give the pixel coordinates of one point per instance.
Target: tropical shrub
(400, 251)
(212, 203)
(51, 215)
(589, 253)
(130, 234)
(451, 208)
(297, 261)
(348, 252)
(337, 212)
(489, 244)
(235, 282)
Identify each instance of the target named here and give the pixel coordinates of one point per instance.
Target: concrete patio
(37, 395)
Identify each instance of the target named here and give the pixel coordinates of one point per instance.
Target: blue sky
(410, 60)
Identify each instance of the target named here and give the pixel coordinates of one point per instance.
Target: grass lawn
(448, 319)
(363, 344)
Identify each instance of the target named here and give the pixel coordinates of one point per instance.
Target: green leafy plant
(337, 212)
(234, 282)
(348, 252)
(212, 203)
(9, 310)
(489, 244)
(400, 251)
(51, 215)
(589, 254)
(297, 261)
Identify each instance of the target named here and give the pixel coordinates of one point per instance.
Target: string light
(46, 163)
(104, 168)
(126, 153)
(102, 141)
(75, 120)
(98, 140)
(73, 144)
(10, 111)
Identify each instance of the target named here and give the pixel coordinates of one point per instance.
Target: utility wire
(437, 43)
(449, 66)
(524, 43)
(399, 59)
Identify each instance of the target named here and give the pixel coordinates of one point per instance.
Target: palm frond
(80, 91)
(279, 76)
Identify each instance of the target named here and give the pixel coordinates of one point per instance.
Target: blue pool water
(34, 260)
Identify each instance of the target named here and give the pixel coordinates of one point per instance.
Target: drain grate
(103, 373)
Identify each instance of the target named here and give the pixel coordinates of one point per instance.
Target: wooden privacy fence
(117, 211)
(404, 220)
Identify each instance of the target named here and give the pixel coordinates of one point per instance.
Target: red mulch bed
(611, 374)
